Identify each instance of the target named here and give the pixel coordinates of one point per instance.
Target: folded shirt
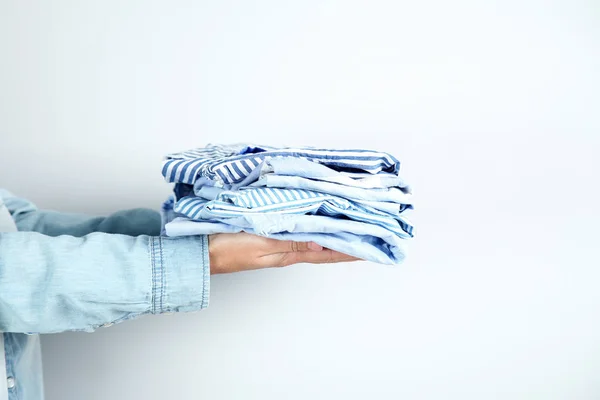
(373, 243)
(299, 167)
(212, 192)
(393, 195)
(231, 204)
(232, 164)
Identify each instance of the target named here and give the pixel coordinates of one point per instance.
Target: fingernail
(314, 246)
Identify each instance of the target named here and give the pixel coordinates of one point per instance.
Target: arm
(28, 217)
(52, 284)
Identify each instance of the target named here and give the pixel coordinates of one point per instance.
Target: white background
(493, 108)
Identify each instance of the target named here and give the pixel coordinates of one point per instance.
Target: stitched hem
(158, 275)
(206, 273)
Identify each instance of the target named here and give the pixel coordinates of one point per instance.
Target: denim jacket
(65, 272)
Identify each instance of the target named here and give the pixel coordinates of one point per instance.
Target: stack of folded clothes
(351, 201)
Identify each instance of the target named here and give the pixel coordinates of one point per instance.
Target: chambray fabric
(6, 225)
(71, 274)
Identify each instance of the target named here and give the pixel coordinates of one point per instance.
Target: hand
(234, 252)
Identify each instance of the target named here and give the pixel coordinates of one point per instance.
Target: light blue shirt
(393, 195)
(273, 201)
(291, 166)
(72, 272)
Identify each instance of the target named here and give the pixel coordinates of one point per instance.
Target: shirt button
(10, 382)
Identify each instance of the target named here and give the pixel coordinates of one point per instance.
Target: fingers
(287, 246)
(311, 257)
(323, 257)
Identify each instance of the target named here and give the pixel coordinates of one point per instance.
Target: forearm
(66, 283)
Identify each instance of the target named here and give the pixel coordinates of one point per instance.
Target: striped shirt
(232, 164)
(288, 201)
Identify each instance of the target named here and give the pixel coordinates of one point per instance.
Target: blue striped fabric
(288, 201)
(231, 164)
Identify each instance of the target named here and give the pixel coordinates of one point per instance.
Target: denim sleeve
(51, 283)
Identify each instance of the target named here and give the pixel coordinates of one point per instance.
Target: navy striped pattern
(184, 167)
(232, 164)
(287, 201)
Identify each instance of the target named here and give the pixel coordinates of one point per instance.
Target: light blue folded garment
(212, 192)
(373, 243)
(232, 204)
(209, 192)
(290, 166)
(392, 195)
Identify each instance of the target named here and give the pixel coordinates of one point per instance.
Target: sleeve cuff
(180, 273)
